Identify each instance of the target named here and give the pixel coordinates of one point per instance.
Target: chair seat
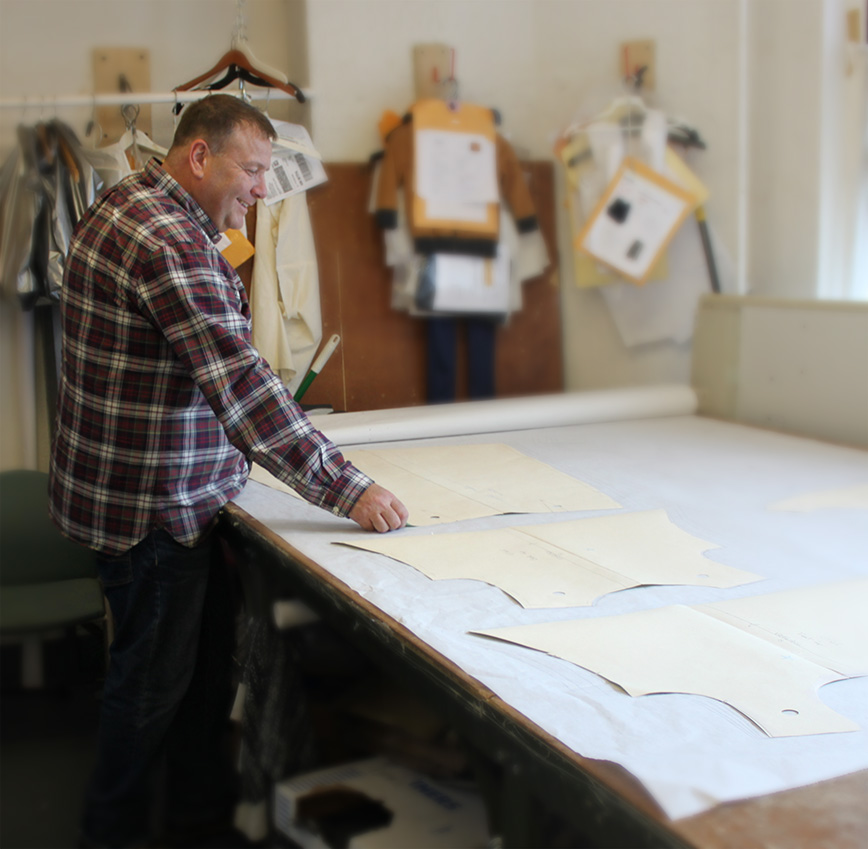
(28, 608)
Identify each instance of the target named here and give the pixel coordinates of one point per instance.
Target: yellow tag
(239, 249)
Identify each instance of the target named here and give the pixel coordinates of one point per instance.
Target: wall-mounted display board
(381, 359)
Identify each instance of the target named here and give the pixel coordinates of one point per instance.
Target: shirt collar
(160, 179)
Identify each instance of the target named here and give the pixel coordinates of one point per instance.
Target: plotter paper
(850, 497)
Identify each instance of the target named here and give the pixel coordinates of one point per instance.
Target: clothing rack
(130, 97)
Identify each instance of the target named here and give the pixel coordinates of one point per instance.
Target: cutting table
(662, 770)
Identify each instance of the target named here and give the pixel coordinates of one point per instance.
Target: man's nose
(259, 189)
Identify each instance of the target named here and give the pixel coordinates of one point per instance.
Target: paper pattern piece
(769, 670)
(481, 480)
(848, 497)
(448, 483)
(825, 624)
(566, 564)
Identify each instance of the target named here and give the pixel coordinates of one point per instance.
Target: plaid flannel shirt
(163, 400)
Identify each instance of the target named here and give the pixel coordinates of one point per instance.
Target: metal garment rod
(123, 98)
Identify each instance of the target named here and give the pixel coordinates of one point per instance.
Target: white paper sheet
(715, 481)
(849, 498)
(455, 168)
(472, 284)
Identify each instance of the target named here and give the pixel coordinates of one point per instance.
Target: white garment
(109, 162)
(284, 298)
(528, 258)
(112, 163)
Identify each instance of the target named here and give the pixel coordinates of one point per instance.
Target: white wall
(790, 365)
(45, 47)
(785, 121)
(45, 51)
(541, 63)
(773, 135)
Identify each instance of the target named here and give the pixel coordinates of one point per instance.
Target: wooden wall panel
(380, 362)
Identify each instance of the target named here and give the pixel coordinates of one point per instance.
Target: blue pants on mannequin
(162, 750)
(442, 357)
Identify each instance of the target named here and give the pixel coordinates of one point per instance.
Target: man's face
(235, 178)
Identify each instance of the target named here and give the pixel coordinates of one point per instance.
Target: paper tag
(295, 163)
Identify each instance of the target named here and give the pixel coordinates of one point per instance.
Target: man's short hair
(215, 118)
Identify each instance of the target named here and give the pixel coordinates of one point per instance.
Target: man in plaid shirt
(163, 403)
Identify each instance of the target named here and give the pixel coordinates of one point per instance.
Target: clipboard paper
(637, 216)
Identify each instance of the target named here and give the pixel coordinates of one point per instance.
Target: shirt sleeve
(203, 316)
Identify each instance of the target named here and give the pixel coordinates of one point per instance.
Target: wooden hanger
(237, 61)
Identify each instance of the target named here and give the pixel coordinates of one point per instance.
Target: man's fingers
(401, 512)
(387, 519)
(395, 516)
(378, 510)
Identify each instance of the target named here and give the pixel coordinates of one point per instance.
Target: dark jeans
(162, 738)
(443, 356)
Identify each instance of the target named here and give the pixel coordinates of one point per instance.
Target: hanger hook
(130, 112)
(94, 128)
(245, 95)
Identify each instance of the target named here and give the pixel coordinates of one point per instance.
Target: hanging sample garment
(438, 144)
(525, 255)
(284, 296)
(128, 154)
(45, 187)
(444, 184)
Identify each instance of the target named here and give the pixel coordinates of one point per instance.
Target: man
(163, 401)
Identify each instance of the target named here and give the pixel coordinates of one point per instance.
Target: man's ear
(198, 157)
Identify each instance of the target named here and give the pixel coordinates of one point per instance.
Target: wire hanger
(240, 64)
(136, 143)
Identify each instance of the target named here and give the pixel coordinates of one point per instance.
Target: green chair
(48, 585)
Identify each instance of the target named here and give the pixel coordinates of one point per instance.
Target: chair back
(32, 549)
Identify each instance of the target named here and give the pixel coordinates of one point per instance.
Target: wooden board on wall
(114, 68)
(380, 362)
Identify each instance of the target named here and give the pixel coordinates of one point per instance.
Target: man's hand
(379, 510)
